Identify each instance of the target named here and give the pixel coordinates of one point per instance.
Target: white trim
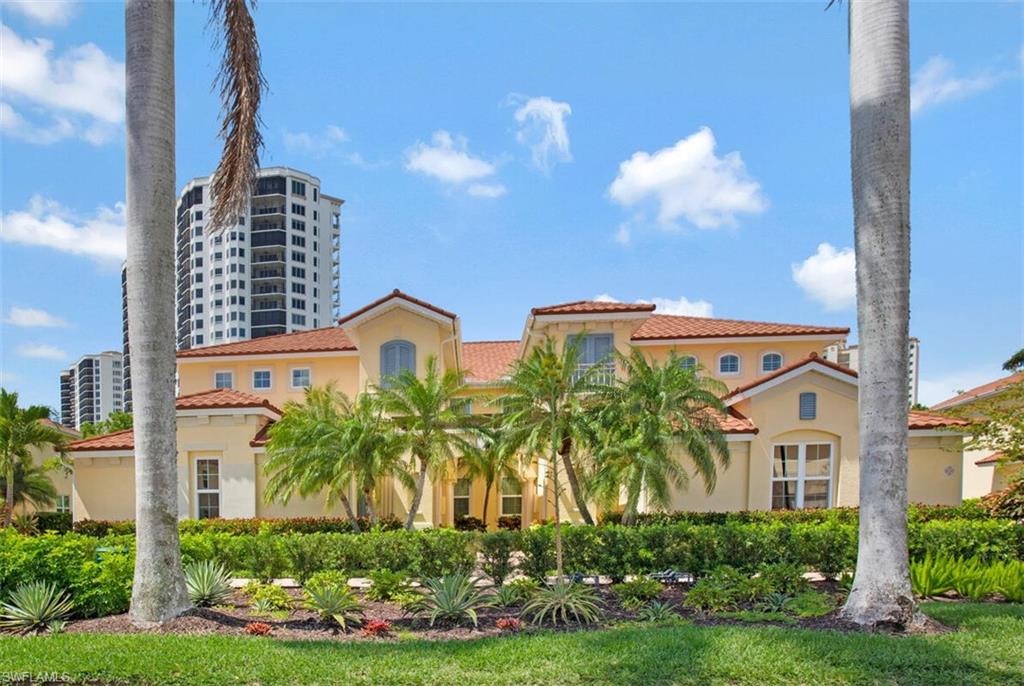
(801, 477)
(697, 340)
(267, 356)
(739, 438)
(591, 317)
(814, 366)
(228, 411)
(252, 379)
(291, 378)
(718, 364)
(760, 361)
(924, 433)
(392, 303)
(223, 371)
(101, 453)
(195, 484)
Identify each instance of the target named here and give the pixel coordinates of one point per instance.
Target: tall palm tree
(425, 411)
(880, 149)
(490, 459)
(22, 429)
(544, 403)
(655, 409)
(158, 592)
(328, 442)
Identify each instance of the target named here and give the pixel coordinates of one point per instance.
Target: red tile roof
(669, 327)
(735, 423)
(994, 458)
(262, 436)
(70, 431)
(592, 307)
(813, 357)
(397, 294)
(329, 339)
(222, 398)
(119, 440)
(929, 420)
(486, 361)
(979, 391)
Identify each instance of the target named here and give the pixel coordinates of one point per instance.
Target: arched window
(729, 363)
(771, 361)
(688, 362)
(396, 357)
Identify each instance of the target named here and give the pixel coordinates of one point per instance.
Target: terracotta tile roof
(70, 431)
(592, 307)
(486, 361)
(328, 339)
(929, 420)
(736, 423)
(222, 398)
(262, 436)
(669, 327)
(119, 440)
(397, 294)
(979, 391)
(813, 357)
(994, 458)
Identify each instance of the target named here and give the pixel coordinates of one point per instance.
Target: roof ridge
(750, 321)
(495, 340)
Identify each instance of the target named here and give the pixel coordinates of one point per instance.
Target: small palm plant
(337, 602)
(454, 598)
(657, 612)
(561, 601)
(34, 606)
(208, 583)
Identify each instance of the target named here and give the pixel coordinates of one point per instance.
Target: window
(63, 503)
(299, 209)
(223, 379)
(298, 288)
(770, 362)
(396, 357)
(261, 379)
(299, 319)
(729, 363)
(808, 406)
(298, 273)
(298, 256)
(802, 476)
(595, 350)
(316, 196)
(462, 406)
(299, 241)
(688, 362)
(299, 188)
(207, 487)
(511, 496)
(301, 377)
(460, 499)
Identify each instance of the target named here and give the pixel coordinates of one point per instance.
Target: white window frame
(688, 356)
(57, 503)
(270, 372)
(195, 484)
(291, 377)
(801, 477)
(502, 496)
(231, 375)
(456, 497)
(766, 353)
(739, 364)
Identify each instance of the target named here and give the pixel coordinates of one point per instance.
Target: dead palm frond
(241, 84)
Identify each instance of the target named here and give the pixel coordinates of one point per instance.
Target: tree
(655, 409)
(995, 423)
(880, 150)
(326, 443)
(32, 485)
(490, 460)
(1016, 362)
(115, 421)
(158, 592)
(544, 403)
(424, 410)
(20, 430)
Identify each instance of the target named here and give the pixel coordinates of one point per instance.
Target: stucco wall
(935, 472)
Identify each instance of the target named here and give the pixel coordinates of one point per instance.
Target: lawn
(988, 648)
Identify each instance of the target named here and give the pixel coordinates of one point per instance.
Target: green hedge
(251, 526)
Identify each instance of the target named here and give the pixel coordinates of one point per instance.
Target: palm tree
(326, 443)
(425, 411)
(880, 148)
(545, 402)
(32, 485)
(647, 415)
(159, 593)
(490, 460)
(20, 430)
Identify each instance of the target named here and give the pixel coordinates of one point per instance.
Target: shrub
(305, 555)
(784, 577)
(26, 524)
(1008, 502)
(468, 523)
(335, 602)
(208, 583)
(562, 601)
(510, 624)
(716, 592)
(454, 598)
(103, 585)
(496, 549)
(773, 602)
(538, 552)
(386, 584)
(506, 596)
(59, 522)
(932, 576)
(328, 577)
(637, 592)
(810, 604)
(971, 579)
(257, 628)
(657, 611)
(510, 522)
(524, 587)
(376, 628)
(262, 555)
(442, 552)
(267, 596)
(1008, 579)
(33, 606)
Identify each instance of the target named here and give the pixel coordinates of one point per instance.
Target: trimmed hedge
(251, 526)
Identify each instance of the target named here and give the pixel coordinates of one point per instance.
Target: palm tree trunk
(368, 497)
(489, 484)
(158, 592)
(629, 513)
(880, 127)
(558, 514)
(9, 498)
(421, 483)
(574, 482)
(347, 505)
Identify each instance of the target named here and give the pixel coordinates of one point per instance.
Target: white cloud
(316, 145)
(689, 181)
(447, 160)
(829, 276)
(624, 234)
(48, 12)
(542, 129)
(682, 307)
(42, 351)
(934, 84)
(935, 389)
(486, 190)
(46, 223)
(29, 317)
(79, 93)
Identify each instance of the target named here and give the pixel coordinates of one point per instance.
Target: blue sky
(495, 157)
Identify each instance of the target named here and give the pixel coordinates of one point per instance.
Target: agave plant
(337, 602)
(33, 606)
(774, 602)
(507, 596)
(454, 598)
(561, 601)
(27, 524)
(208, 583)
(657, 611)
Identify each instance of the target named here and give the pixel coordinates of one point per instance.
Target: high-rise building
(849, 356)
(126, 365)
(91, 389)
(275, 271)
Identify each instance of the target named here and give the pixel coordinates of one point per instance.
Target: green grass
(988, 649)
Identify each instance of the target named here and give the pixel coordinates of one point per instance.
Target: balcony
(272, 318)
(262, 239)
(263, 274)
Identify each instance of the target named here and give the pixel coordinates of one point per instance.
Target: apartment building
(849, 356)
(126, 365)
(91, 389)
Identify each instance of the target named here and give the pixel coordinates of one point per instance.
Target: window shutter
(808, 405)
(406, 357)
(388, 360)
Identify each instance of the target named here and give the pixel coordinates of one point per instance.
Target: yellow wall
(426, 334)
(732, 484)
(104, 488)
(342, 369)
(60, 480)
(936, 470)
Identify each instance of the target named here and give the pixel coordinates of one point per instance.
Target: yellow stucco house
(791, 427)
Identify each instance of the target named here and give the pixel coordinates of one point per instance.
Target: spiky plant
(208, 583)
(774, 602)
(454, 598)
(507, 596)
(563, 602)
(657, 611)
(33, 606)
(333, 601)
